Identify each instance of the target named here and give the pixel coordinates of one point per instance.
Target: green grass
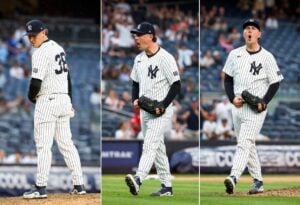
(214, 193)
(116, 192)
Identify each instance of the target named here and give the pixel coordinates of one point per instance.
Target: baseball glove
(253, 101)
(150, 106)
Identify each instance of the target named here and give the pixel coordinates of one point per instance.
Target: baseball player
(154, 75)
(50, 90)
(254, 69)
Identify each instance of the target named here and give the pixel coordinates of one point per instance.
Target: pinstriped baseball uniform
(253, 72)
(53, 111)
(155, 75)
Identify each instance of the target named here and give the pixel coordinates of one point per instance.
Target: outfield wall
(122, 156)
(15, 180)
(275, 157)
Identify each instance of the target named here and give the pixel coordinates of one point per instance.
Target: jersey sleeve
(170, 69)
(133, 74)
(228, 67)
(273, 72)
(39, 65)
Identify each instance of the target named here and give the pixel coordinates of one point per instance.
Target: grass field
(212, 191)
(115, 191)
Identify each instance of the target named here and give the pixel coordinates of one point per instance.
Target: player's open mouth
(249, 37)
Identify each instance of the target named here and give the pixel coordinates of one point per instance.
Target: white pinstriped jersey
(252, 72)
(49, 65)
(155, 74)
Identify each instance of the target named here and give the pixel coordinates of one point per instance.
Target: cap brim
(134, 31)
(30, 34)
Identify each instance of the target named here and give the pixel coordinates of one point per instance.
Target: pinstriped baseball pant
(52, 122)
(247, 125)
(154, 149)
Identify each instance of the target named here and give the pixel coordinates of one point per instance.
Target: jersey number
(61, 60)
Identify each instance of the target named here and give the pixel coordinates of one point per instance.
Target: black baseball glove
(150, 106)
(253, 101)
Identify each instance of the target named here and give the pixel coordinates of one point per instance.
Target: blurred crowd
(176, 28)
(17, 157)
(15, 50)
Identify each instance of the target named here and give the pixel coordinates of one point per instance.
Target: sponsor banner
(283, 158)
(15, 180)
(120, 153)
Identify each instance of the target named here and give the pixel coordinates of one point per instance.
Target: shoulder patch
(175, 73)
(279, 73)
(35, 70)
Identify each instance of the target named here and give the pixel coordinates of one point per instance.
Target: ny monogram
(255, 69)
(152, 72)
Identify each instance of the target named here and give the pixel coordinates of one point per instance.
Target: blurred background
(221, 31)
(177, 29)
(75, 26)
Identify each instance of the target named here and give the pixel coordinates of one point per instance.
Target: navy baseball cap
(34, 27)
(251, 22)
(144, 28)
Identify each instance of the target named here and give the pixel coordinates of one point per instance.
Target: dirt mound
(54, 199)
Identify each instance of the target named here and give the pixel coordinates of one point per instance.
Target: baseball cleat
(230, 184)
(133, 183)
(78, 189)
(164, 191)
(257, 187)
(36, 192)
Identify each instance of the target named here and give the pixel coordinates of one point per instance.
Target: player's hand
(157, 110)
(136, 104)
(261, 107)
(238, 101)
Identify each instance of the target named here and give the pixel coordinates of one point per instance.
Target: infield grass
(212, 191)
(116, 192)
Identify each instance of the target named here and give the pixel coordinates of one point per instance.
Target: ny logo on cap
(29, 27)
(139, 27)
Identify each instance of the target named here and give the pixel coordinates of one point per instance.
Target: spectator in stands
(225, 43)
(191, 117)
(126, 98)
(12, 46)
(3, 79)
(184, 56)
(124, 132)
(95, 98)
(16, 71)
(223, 111)
(234, 36)
(261, 137)
(203, 116)
(107, 33)
(177, 132)
(223, 130)
(217, 58)
(207, 61)
(113, 101)
(2, 156)
(125, 38)
(209, 127)
(135, 122)
(29, 158)
(272, 22)
(14, 158)
(3, 51)
(124, 73)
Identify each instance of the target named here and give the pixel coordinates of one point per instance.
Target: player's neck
(152, 49)
(253, 47)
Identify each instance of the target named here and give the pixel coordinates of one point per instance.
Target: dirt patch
(286, 192)
(54, 199)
